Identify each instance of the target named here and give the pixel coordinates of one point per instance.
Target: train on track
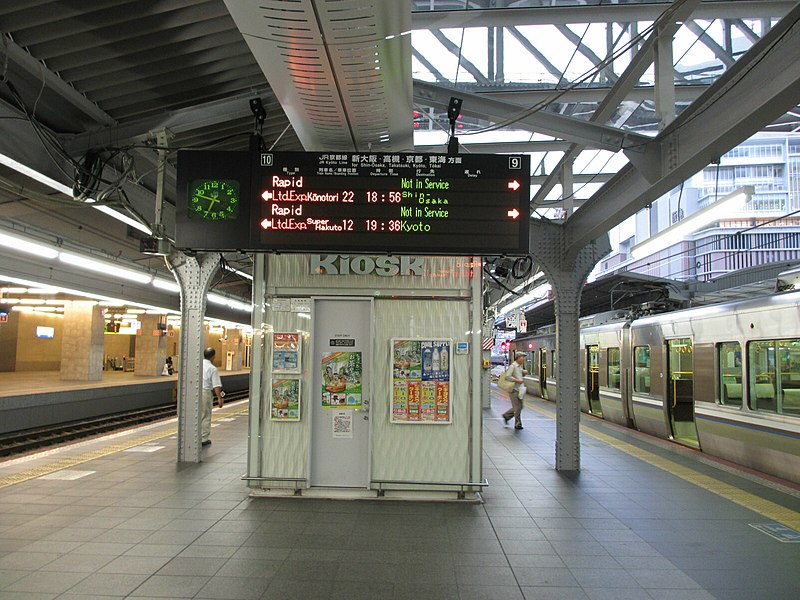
(722, 378)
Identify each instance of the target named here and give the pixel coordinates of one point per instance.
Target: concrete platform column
(194, 275)
(566, 275)
(232, 343)
(151, 349)
(82, 344)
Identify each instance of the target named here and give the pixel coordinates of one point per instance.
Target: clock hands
(212, 201)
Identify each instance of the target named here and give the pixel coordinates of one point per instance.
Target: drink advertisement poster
(341, 380)
(286, 353)
(421, 381)
(285, 402)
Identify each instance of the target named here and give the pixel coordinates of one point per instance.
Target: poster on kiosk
(421, 381)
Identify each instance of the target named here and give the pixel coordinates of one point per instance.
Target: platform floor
(118, 518)
(31, 382)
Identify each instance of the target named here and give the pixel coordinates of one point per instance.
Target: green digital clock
(214, 199)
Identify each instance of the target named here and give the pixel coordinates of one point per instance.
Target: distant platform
(32, 399)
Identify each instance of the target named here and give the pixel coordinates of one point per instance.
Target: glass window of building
(730, 373)
(641, 364)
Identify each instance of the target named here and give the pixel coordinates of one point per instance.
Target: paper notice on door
(343, 424)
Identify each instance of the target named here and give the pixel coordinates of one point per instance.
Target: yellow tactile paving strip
(770, 510)
(67, 463)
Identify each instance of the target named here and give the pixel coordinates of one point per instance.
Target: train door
(543, 371)
(680, 390)
(593, 379)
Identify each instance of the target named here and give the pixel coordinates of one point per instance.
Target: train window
(730, 373)
(774, 369)
(641, 361)
(613, 368)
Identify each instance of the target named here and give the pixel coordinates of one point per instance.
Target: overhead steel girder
(619, 92)
(756, 90)
(572, 129)
(683, 93)
(86, 110)
(177, 121)
(607, 13)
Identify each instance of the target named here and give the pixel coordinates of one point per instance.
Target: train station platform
(643, 520)
(28, 382)
(34, 399)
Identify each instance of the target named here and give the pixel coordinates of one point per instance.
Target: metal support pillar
(567, 188)
(566, 275)
(665, 77)
(194, 275)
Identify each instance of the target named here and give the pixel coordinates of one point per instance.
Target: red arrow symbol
(267, 195)
(266, 223)
(513, 213)
(513, 185)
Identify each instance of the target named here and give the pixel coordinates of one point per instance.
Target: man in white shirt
(515, 373)
(212, 386)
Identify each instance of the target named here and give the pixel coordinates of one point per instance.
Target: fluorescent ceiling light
(17, 243)
(40, 177)
(239, 273)
(104, 268)
(169, 286)
(124, 218)
(674, 234)
(60, 187)
(222, 300)
(537, 293)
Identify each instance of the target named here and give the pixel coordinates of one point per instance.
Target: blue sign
(779, 532)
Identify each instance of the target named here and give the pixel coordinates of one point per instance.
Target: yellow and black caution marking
(68, 463)
(770, 510)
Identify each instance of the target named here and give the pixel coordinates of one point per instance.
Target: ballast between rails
(19, 442)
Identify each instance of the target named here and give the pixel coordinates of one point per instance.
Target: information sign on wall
(421, 381)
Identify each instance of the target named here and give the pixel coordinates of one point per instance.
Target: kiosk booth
(363, 377)
(365, 365)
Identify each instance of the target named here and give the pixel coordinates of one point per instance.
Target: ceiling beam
(593, 135)
(607, 13)
(51, 81)
(176, 121)
(629, 78)
(750, 95)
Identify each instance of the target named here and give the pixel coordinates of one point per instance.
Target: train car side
(723, 378)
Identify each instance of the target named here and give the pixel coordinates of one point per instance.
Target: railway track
(30, 440)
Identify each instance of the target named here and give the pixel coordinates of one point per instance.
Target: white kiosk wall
(410, 297)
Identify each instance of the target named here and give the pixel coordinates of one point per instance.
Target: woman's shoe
(518, 427)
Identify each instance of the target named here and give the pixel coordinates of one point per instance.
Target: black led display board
(463, 204)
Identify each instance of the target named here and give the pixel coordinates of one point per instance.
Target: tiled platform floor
(140, 526)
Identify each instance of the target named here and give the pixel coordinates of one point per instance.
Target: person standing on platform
(212, 386)
(515, 373)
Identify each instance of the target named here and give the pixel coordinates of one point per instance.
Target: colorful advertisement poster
(286, 353)
(285, 400)
(421, 381)
(407, 359)
(341, 380)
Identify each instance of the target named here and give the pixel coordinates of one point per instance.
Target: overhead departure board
(404, 203)
(465, 204)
